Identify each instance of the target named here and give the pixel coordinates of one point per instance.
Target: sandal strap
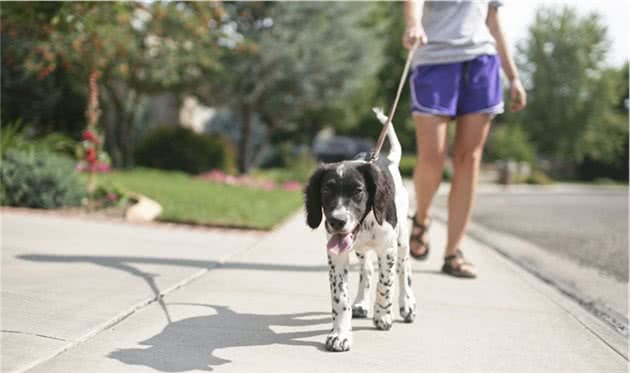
(458, 255)
(423, 227)
(417, 236)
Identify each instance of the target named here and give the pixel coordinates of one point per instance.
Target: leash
(403, 78)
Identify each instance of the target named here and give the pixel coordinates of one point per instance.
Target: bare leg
(431, 142)
(470, 137)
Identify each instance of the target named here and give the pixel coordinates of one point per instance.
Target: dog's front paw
(339, 342)
(408, 312)
(383, 321)
(359, 311)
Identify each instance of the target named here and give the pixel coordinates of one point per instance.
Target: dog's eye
(326, 190)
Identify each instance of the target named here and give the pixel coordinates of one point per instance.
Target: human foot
(419, 239)
(455, 265)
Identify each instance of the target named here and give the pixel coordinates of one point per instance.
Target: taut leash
(403, 78)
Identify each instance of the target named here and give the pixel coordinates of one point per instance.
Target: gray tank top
(456, 31)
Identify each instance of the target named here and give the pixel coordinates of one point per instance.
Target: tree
(138, 48)
(290, 58)
(55, 102)
(571, 102)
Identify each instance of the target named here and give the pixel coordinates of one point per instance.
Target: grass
(187, 200)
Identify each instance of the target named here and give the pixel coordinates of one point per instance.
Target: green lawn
(186, 200)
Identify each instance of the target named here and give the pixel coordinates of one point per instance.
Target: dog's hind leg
(385, 288)
(406, 299)
(340, 337)
(362, 301)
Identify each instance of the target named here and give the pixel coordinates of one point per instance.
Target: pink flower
(268, 185)
(112, 197)
(230, 180)
(90, 155)
(102, 167)
(89, 136)
(292, 186)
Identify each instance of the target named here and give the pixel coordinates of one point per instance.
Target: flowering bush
(105, 196)
(90, 158)
(218, 176)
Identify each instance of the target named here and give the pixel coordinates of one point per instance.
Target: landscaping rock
(144, 210)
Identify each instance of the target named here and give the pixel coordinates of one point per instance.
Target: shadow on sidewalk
(126, 264)
(191, 343)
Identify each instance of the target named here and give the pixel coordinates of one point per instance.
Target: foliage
(179, 148)
(571, 95)
(408, 164)
(538, 177)
(509, 142)
(286, 58)
(299, 168)
(139, 48)
(381, 91)
(14, 137)
(108, 195)
(53, 103)
(39, 179)
(187, 200)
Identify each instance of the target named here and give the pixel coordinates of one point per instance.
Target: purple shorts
(459, 88)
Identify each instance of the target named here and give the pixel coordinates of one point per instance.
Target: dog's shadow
(192, 343)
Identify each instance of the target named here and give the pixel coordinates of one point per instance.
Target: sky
(516, 16)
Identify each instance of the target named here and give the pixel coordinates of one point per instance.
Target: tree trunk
(112, 121)
(243, 146)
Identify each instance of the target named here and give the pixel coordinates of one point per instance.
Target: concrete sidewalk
(239, 303)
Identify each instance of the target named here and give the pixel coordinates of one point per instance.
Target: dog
(365, 206)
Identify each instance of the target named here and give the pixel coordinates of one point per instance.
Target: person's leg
(431, 142)
(470, 137)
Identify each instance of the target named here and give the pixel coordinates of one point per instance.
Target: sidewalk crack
(33, 334)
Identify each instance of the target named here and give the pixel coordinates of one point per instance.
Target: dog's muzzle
(340, 242)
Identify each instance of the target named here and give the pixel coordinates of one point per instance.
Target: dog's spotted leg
(362, 301)
(340, 337)
(385, 289)
(406, 299)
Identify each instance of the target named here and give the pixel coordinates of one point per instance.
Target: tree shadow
(192, 343)
(129, 264)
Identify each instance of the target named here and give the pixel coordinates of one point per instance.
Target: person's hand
(412, 34)
(518, 97)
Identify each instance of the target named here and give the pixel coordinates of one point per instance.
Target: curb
(607, 324)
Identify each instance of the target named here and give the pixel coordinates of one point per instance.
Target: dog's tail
(395, 150)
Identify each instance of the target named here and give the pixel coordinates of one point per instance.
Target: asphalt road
(586, 225)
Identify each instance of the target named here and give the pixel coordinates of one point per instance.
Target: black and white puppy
(365, 206)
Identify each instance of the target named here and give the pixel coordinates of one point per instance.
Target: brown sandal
(458, 269)
(417, 237)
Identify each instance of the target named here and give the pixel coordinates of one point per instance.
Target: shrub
(509, 142)
(539, 178)
(39, 179)
(408, 163)
(179, 148)
(14, 136)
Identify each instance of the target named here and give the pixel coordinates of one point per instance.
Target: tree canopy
(571, 111)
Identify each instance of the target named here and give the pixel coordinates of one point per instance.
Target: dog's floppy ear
(379, 189)
(313, 199)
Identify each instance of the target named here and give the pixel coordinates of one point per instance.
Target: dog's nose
(336, 223)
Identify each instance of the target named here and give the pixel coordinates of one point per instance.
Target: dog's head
(346, 192)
